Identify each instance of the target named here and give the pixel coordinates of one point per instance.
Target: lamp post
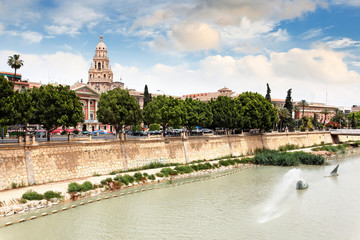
(161, 91)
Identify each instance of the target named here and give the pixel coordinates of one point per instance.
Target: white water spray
(282, 197)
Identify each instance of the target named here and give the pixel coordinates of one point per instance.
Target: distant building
(355, 108)
(19, 84)
(205, 97)
(317, 108)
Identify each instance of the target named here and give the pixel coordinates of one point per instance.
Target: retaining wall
(56, 161)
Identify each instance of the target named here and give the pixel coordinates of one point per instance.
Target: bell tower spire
(100, 74)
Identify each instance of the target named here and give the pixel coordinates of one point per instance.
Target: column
(88, 109)
(95, 115)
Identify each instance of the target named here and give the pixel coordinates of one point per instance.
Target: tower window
(99, 66)
(104, 75)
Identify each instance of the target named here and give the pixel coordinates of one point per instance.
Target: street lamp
(161, 91)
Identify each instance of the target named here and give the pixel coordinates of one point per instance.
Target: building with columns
(101, 79)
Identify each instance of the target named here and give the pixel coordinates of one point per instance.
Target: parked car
(206, 130)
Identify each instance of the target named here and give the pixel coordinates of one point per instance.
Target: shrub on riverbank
(341, 148)
(168, 171)
(86, 186)
(184, 169)
(32, 195)
(288, 147)
(271, 157)
(74, 187)
(51, 194)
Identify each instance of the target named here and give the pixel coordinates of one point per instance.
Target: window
(91, 102)
(104, 75)
(104, 127)
(99, 65)
(98, 127)
(138, 100)
(91, 116)
(84, 90)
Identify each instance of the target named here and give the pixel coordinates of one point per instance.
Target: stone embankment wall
(56, 161)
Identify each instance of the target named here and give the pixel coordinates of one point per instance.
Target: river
(258, 203)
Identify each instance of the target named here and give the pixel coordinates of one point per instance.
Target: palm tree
(303, 104)
(283, 114)
(16, 63)
(325, 112)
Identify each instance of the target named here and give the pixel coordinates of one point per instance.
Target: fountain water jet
(282, 197)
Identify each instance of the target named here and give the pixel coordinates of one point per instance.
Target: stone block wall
(48, 162)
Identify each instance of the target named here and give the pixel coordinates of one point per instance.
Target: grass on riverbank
(276, 158)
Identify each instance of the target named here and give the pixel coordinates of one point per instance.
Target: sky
(198, 46)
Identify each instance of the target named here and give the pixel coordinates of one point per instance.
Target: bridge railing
(345, 131)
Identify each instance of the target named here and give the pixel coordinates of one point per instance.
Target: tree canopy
(118, 108)
(196, 114)
(56, 106)
(268, 91)
(288, 102)
(257, 111)
(7, 100)
(147, 96)
(166, 111)
(226, 114)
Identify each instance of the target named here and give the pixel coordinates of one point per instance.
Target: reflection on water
(259, 203)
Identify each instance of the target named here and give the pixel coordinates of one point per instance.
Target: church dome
(101, 45)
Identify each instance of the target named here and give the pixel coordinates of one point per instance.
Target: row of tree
(247, 111)
(50, 106)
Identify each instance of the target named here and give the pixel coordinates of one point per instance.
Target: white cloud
(312, 33)
(158, 16)
(308, 72)
(343, 43)
(27, 36)
(57, 30)
(348, 2)
(60, 67)
(194, 37)
(70, 17)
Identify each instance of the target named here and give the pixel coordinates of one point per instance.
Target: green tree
(288, 102)
(268, 91)
(315, 120)
(24, 108)
(258, 113)
(196, 114)
(303, 104)
(55, 107)
(339, 117)
(118, 108)
(166, 111)
(226, 113)
(354, 119)
(147, 96)
(16, 63)
(7, 100)
(283, 115)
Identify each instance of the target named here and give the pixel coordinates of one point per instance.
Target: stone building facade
(101, 77)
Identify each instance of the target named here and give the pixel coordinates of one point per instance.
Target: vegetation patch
(272, 157)
(32, 195)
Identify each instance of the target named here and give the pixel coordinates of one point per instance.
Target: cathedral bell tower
(100, 74)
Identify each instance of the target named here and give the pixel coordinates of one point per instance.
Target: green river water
(258, 203)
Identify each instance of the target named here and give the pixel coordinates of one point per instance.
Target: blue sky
(311, 46)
